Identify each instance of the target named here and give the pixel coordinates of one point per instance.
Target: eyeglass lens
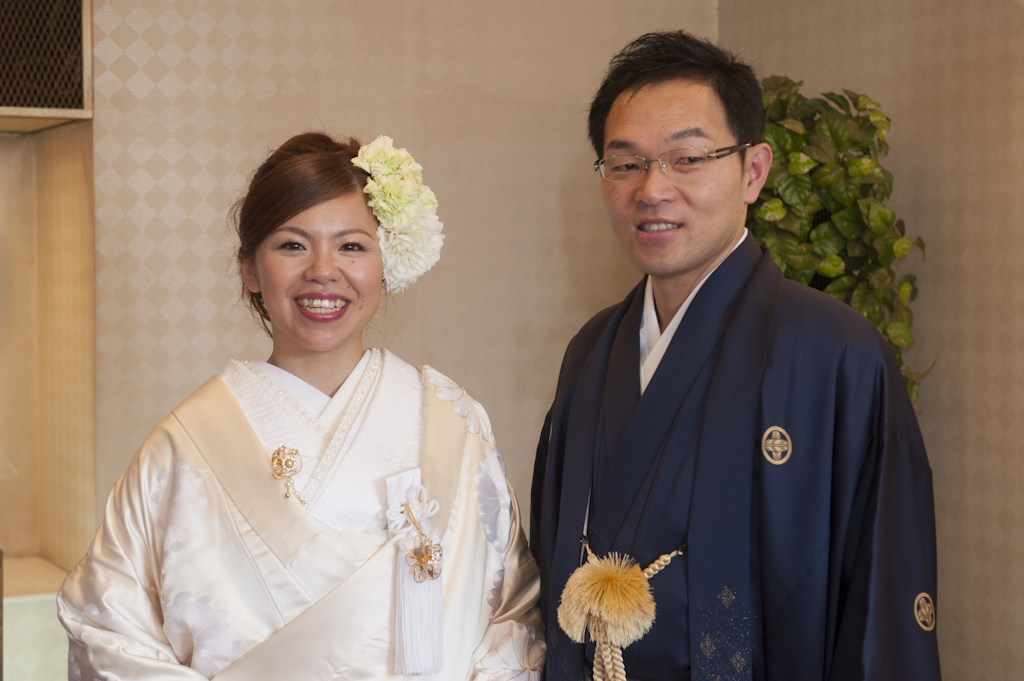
(676, 162)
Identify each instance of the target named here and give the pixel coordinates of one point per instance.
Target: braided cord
(618, 666)
(661, 563)
(599, 665)
(608, 663)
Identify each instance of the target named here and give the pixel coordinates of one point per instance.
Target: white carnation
(410, 249)
(395, 199)
(427, 198)
(380, 157)
(409, 231)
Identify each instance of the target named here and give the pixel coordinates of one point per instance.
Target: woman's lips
(321, 309)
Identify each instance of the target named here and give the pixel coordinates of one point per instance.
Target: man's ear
(757, 163)
(250, 280)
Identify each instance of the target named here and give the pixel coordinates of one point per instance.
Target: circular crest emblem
(924, 611)
(776, 445)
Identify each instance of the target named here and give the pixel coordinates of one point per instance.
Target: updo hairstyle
(305, 171)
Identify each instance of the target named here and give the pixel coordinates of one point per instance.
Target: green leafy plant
(822, 211)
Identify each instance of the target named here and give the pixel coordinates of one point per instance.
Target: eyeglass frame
(710, 155)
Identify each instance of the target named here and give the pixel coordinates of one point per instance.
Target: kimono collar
(724, 617)
(653, 341)
(235, 455)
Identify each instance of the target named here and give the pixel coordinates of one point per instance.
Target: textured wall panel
(67, 342)
(489, 97)
(19, 395)
(951, 76)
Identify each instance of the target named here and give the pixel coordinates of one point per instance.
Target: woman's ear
(250, 278)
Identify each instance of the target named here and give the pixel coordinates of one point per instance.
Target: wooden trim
(25, 124)
(40, 112)
(87, 56)
(32, 576)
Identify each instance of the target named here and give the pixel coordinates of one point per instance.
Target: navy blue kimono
(777, 445)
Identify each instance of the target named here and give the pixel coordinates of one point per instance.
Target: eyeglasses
(675, 163)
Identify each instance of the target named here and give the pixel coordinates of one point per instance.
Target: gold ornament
(611, 597)
(284, 464)
(425, 557)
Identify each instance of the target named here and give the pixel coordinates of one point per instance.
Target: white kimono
(202, 567)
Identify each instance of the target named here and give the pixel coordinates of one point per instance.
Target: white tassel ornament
(419, 612)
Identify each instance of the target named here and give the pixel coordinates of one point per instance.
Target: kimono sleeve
(514, 638)
(110, 603)
(887, 620)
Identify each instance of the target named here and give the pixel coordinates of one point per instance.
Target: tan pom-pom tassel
(612, 598)
(612, 593)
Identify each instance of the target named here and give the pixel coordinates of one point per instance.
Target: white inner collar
(311, 399)
(654, 342)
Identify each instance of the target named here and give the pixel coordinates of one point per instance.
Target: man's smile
(657, 226)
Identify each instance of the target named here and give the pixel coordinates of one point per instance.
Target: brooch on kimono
(611, 597)
(284, 464)
(425, 556)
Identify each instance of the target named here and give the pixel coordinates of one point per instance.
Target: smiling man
(752, 433)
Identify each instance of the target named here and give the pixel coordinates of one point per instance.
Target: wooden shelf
(31, 576)
(13, 119)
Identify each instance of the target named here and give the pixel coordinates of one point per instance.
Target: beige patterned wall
(951, 76)
(489, 97)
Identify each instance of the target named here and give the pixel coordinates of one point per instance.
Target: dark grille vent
(41, 54)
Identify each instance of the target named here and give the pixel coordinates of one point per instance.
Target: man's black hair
(659, 57)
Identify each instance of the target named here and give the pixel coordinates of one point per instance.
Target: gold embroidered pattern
(727, 596)
(776, 445)
(924, 611)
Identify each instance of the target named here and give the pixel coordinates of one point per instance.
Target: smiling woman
(319, 277)
(331, 488)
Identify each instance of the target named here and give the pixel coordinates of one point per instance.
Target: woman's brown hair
(303, 172)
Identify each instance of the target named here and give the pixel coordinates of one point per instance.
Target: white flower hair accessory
(409, 232)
